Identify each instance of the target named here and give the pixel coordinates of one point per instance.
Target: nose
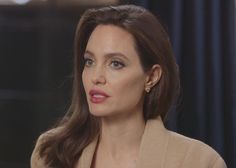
(99, 76)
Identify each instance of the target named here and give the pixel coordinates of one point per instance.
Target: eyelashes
(117, 64)
(114, 63)
(88, 62)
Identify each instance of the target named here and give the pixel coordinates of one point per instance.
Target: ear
(153, 77)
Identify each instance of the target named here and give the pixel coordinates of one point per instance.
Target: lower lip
(98, 100)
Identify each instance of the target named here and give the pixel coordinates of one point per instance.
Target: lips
(98, 96)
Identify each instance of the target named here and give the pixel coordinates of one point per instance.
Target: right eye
(88, 62)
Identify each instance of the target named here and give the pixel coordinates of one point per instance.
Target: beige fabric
(159, 148)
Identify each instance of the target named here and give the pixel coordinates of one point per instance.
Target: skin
(112, 65)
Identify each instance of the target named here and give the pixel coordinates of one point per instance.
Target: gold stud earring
(147, 89)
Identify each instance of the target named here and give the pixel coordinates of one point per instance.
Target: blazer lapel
(153, 145)
(86, 158)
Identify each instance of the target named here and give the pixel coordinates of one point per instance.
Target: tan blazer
(160, 148)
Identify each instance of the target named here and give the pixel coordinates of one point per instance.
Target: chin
(102, 113)
(99, 113)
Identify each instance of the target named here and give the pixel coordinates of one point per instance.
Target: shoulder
(192, 152)
(36, 161)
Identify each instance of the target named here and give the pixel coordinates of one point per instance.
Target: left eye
(117, 64)
(88, 62)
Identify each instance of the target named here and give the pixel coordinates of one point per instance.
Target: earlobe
(153, 77)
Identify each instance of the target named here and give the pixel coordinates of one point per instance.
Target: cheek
(85, 78)
(136, 86)
(131, 85)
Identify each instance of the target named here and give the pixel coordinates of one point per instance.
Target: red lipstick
(97, 96)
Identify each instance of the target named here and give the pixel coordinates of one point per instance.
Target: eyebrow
(109, 55)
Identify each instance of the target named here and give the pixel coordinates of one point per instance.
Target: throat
(121, 141)
(124, 135)
(116, 156)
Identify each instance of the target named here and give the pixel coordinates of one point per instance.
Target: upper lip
(93, 92)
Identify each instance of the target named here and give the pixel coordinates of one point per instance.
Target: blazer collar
(86, 157)
(153, 145)
(152, 149)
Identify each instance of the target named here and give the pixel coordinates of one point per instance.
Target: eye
(117, 64)
(88, 62)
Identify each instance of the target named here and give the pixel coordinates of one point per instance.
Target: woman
(125, 81)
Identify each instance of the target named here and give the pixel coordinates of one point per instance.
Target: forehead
(109, 38)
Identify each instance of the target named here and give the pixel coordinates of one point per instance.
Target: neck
(122, 135)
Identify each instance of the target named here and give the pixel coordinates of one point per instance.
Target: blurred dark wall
(36, 57)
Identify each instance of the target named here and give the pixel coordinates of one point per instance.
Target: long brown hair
(78, 128)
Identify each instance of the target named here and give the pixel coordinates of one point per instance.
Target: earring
(147, 89)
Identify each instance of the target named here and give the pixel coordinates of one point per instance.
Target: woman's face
(113, 77)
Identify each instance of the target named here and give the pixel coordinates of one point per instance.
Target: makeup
(98, 96)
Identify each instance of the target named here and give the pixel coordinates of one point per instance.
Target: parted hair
(63, 147)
